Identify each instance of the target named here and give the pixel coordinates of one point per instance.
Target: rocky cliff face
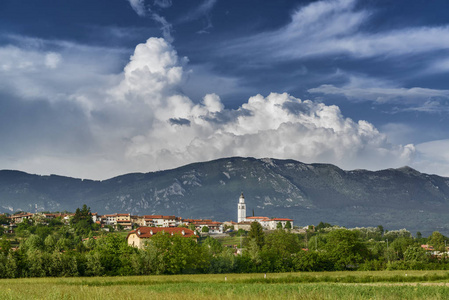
(307, 193)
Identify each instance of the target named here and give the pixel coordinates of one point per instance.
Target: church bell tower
(241, 209)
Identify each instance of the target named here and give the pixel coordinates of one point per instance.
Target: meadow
(310, 285)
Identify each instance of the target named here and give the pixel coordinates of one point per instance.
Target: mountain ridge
(307, 193)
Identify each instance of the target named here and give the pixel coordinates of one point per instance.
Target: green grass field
(323, 285)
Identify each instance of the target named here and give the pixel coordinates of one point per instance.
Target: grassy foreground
(323, 285)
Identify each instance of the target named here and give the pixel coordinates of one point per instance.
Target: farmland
(310, 285)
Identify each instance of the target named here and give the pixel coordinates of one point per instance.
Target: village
(142, 228)
(169, 224)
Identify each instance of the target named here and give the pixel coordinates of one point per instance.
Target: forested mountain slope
(307, 193)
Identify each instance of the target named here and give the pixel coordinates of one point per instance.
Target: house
(270, 224)
(137, 220)
(95, 217)
(230, 225)
(428, 247)
(124, 220)
(243, 225)
(137, 237)
(110, 219)
(18, 218)
(283, 221)
(161, 221)
(214, 226)
(264, 221)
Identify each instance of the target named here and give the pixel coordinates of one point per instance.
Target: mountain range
(307, 193)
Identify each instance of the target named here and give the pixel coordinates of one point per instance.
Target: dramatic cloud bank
(145, 123)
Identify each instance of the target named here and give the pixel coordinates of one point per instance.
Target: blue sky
(95, 89)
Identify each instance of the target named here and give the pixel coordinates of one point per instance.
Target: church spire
(241, 209)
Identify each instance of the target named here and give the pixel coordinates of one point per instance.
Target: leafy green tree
(321, 226)
(37, 263)
(256, 233)
(436, 239)
(223, 262)
(278, 251)
(345, 249)
(82, 221)
(254, 252)
(115, 255)
(8, 266)
(312, 261)
(205, 229)
(42, 231)
(5, 246)
(93, 264)
(23, 228)
(4, 220)
(415, 254)
(64, 244)
(279, 225)
(212, 246)
(380, 229)
(50, 243)
(174, 254)
(241, 232)
(400, 245)
(288, 225)
(33, 243)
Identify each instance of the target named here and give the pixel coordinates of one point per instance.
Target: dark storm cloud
(179, 121)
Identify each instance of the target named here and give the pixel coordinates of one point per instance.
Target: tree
(321, 226)
(34, 242)
(345, 249)
(380, 228)
(205, 229)
(5, 246)
(400, 245)
(415, 254)
(437, 241)
(256, 233)
(288, 225)
(4, 220)
(279, 225)
(50, 243)
(82, 221)
(279, 250)
(175, 254)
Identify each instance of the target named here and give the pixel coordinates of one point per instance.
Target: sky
(96, 89)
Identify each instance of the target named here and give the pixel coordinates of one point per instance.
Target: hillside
(307, 193)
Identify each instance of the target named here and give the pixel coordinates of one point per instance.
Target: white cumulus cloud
(144, 123)
(173, 130)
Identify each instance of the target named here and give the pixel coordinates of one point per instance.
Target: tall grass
(327, 285)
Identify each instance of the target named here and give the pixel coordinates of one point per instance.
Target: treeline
(74, 250)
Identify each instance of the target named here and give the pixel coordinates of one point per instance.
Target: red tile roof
(282, 219)
(160, 217)
(427, 247)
